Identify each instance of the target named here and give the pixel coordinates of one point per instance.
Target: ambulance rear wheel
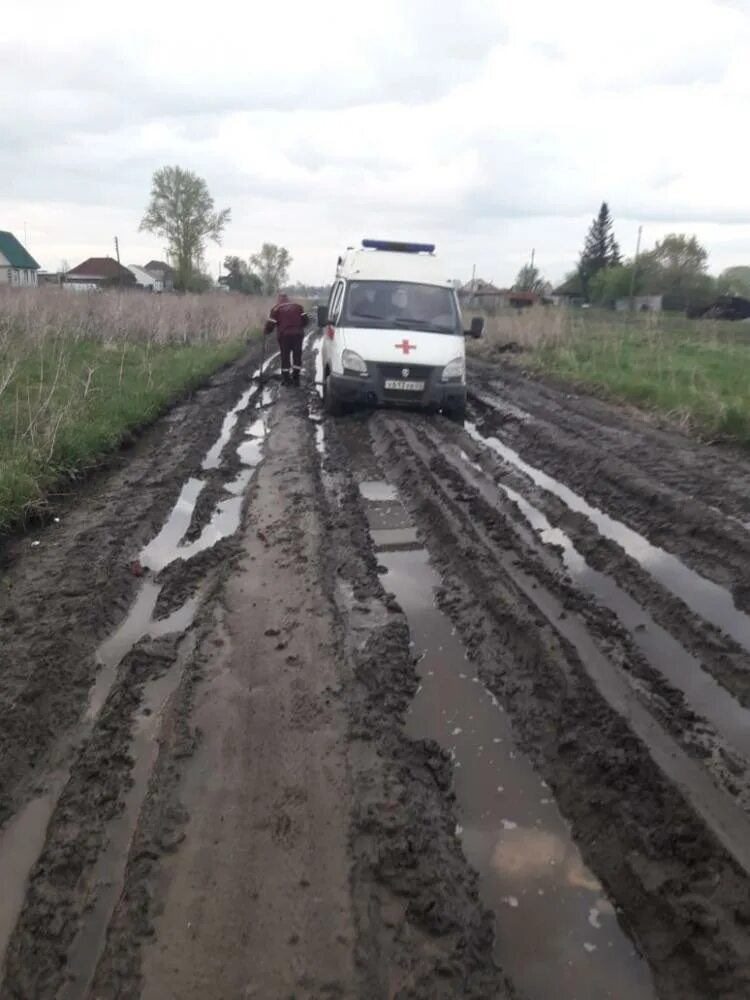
(331, 405)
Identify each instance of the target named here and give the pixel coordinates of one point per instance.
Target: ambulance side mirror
(322, 312)
(476, 329)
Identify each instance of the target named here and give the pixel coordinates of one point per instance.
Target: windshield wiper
(368, 316)
(436, 327)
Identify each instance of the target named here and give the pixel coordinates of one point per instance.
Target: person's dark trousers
(290, 346)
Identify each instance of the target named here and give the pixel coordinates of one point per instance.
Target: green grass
(66, 401)
(695, 373)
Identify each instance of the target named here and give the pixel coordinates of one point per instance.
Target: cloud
(490, 127)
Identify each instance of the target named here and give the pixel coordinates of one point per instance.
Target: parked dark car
(724, 307)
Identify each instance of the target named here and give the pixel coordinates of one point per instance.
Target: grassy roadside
(71, 387)
(695, 373)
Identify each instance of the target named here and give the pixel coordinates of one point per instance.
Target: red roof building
(100, 272)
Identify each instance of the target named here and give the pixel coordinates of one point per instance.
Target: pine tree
(601, 249)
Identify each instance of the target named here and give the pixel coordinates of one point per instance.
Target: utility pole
(635, 268)
(117, 249)
(25, 240)
(533, 255)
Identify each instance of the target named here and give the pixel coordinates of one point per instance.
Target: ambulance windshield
(403, 305)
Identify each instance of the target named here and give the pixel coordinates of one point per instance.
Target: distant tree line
(676, 268)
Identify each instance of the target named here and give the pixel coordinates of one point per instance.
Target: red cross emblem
(405, 346)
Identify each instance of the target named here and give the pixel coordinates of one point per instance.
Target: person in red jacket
(289, 320)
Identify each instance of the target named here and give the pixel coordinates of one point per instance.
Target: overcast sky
(491, 128)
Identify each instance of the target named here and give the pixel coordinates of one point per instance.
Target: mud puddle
(22, 841)
(160, 550)
(702, 596)
(213, 456)
(502, 406)
(318, 366)
(556, 932)
(702, 693)
(378, 491)
(160, 553)
(314, 407)
(168, 546)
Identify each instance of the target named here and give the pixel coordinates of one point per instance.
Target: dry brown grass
(138, 317)
(79, 369)
(524, 329)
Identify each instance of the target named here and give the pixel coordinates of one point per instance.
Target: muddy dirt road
(381, 707)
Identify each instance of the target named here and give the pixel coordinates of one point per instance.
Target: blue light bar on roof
(398, 247)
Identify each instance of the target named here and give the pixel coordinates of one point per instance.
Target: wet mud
(547, 906)
(381, 707)
(691, 500)
(40, 911)
(577, 713)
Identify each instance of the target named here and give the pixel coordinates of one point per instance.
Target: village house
(17, 267)
(483, 296)
(144, 279)
(569, 293)
(162, 274)
(99, 272)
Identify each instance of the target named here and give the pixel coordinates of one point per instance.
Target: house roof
(15, 252)
(159, 265)
(571, 286)
(100, 267)
(142, 276)
(478, 287)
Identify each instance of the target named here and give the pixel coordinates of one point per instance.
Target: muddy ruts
(723, 657)
(105, 764)
(62, 596)
(684, 898)
(160, 824)
(422, 932)
(691, 500)
(60, 886)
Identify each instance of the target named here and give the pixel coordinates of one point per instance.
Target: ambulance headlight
(352, 362)
(455, 371)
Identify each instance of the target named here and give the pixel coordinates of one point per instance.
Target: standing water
(22, 838)
(556, 932)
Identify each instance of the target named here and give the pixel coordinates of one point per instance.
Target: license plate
(401, 385)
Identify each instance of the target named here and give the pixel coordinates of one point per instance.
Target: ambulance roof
(415, 262)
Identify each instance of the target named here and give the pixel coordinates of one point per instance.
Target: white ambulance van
(392, 332)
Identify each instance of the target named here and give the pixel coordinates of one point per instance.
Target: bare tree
(181, 211)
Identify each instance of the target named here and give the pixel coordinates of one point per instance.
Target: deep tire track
(420, 930)
(725, 659)
(64, 595)
(675, 883)
(684, 498)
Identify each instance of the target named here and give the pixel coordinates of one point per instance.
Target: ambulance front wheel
(457, 414)
(331, 404)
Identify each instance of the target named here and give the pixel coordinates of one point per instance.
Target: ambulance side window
(334, 309)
